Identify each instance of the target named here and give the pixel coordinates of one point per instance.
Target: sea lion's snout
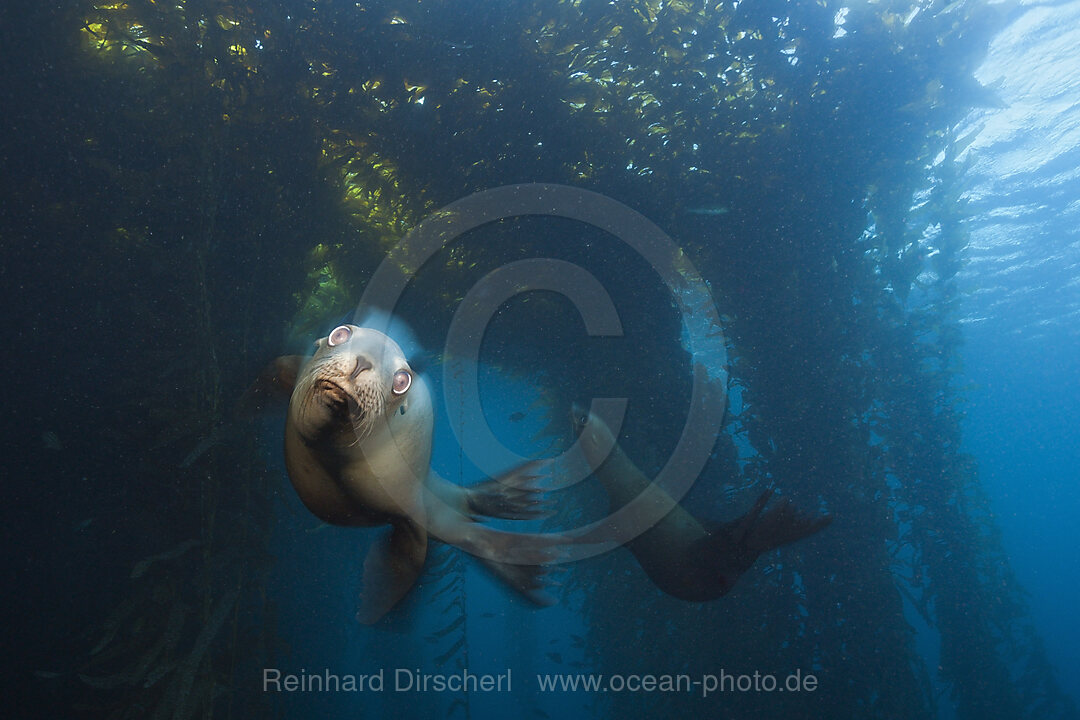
(330, 392)
(362, 364)
(351, 381)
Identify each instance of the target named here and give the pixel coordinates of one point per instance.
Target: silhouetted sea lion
(358, 449)
(685, 557)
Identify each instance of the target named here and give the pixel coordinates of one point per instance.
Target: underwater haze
(816, 264)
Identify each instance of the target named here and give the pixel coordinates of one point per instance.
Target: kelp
(158, 650)
(160, 237)
(956, 564)
(244, 167)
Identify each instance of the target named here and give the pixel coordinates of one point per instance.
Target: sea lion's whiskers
(357, 431)
(373, 400)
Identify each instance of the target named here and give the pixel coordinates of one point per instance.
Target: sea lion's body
(358, 450)
(683, 556)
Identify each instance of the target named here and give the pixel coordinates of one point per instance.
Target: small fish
(556, 657)
(517, 417)
(709, 210)
(143, 565)
(48, 674)
(82, 527)
(215, 437)
(51, 440)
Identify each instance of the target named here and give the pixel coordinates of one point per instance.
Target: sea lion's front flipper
(515, 495)
(518, 559)
(496, 545)
(391, 567)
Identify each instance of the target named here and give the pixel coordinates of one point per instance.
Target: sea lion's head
(356, 376)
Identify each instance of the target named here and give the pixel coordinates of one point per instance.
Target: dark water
(852, 228)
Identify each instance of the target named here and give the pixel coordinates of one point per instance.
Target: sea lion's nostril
(362, 364)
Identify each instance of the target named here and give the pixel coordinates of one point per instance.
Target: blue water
(1021, 311)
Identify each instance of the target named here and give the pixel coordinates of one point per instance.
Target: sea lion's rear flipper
(781, 524)
(516, 494)
(529, 580)
(731, 548)
(272, 387)
(390, 569)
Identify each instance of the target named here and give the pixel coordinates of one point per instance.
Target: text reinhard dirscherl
(414, 680)
(400, 680)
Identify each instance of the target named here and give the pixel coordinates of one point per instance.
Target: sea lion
(685, 557)
(358, 450)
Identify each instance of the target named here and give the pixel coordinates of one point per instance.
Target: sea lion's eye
(402, 382)
(338, 335)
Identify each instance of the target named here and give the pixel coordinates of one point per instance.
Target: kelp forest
(196, 187)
